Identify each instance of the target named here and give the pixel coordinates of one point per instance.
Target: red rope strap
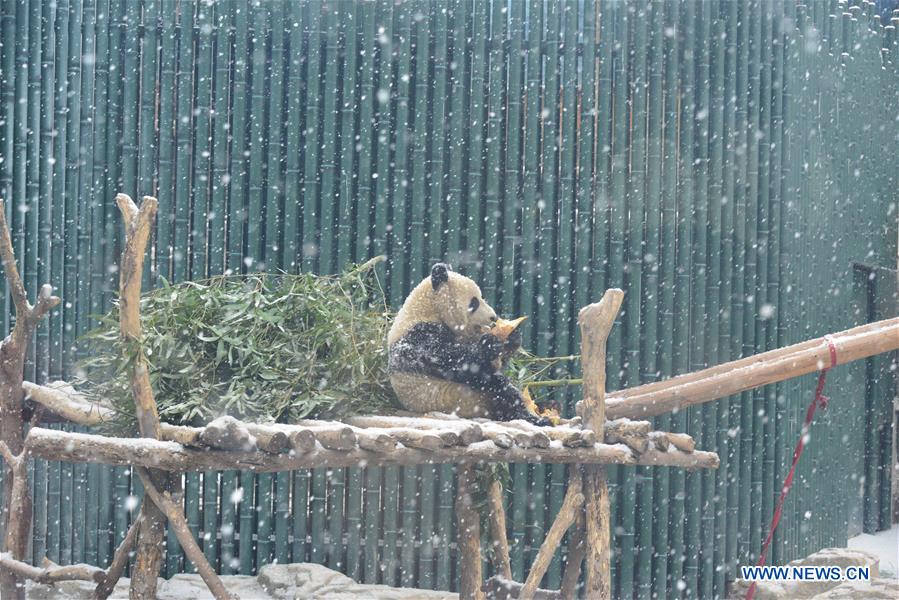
(819, 400)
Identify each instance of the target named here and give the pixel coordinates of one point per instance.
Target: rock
(789, 590)
(876, 589)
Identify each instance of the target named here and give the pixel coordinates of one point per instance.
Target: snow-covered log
(68, 446)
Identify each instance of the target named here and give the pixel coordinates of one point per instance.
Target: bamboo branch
(182, 532)
(571, 506)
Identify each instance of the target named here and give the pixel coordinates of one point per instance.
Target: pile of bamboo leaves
(258, 347)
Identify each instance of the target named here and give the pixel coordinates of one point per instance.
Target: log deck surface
(66, 446)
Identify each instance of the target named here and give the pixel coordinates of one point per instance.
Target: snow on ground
(883, 544)
(275, 582)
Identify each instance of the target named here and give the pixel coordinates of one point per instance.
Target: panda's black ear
(439, 275)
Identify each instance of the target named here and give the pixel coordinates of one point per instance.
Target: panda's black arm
(432, 349)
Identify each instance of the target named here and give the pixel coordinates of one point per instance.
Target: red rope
(819, 400)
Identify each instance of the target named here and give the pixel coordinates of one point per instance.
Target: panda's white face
(461, 307)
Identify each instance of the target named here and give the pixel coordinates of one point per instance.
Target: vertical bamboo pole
(595, 323)
(665, 512)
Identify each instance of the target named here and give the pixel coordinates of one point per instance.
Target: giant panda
(442, 357)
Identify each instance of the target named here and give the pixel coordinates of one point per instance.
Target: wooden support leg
(598, 557)
(571, 506)
(119, 560)
(15, 511)
(596, 322)
(498, 531)
(576, 550)
(19, 522)
(182, 531)
(469, 531)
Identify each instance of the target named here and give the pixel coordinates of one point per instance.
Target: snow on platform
(279, 582)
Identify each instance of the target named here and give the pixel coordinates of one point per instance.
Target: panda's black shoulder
(427, 333)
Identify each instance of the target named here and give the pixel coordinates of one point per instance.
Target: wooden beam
(51, 572)
(755, 371)
(595, 323)
(68, 446)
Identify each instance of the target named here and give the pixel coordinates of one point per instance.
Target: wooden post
(15, 527)
(150, 535)
(469, 529)
(498, 530)
(596, 322)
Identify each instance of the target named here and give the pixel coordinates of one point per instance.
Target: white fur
(449, 304)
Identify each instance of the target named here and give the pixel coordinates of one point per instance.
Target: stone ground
(279, 582)
(880, 587)
(884, 545)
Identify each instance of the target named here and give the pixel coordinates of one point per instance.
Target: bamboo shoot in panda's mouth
(502, 329)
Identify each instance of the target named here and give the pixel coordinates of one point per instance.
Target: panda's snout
(493, 318)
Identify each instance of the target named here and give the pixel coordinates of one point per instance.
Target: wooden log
(748, 373)
(268, 438)
(595, 323)
(227, 433)
(376, 440)
(525, 434)
(51, 444)
(633, 434)
(52, 573)
(498, 530)
(334, 436)
(182, 532)
(576, 550)
(468, 431)
(301, 440)
(13, 349)
(119, 561)
(660, 440)
(469, 531)
(571, 506)
(18, 525)
(681, 441)
(501, 588)
(61, 398)
(415, 438)
(138, 223)
(498, 434)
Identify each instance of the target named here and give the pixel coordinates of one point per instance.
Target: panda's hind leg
(508, 405)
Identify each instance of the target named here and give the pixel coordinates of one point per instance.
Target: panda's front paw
(490, 347)
(512, 344)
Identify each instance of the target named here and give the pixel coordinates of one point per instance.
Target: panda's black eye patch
(473, 305)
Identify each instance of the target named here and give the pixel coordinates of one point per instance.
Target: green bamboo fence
(730, 164)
